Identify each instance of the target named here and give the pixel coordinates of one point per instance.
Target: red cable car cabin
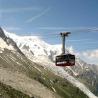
(65, 60)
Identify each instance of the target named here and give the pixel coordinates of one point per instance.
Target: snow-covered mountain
(18, 75)
(44, 54)
(39, 51)
(7, 42)
(34, 46)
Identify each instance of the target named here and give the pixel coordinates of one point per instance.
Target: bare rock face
(9, 41)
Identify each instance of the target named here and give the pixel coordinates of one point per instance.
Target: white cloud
(11, 28)
(38, 16)
(79, 40)
(80, 29)
(90, 56)
(13, 10)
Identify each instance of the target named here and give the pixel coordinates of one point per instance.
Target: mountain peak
(2, 35)
(7, 42)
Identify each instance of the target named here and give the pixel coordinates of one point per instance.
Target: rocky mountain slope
(17, 71)
(40, 77)
(43, 53)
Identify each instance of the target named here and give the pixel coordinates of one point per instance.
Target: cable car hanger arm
(63, 35)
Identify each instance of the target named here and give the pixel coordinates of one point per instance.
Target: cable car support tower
(64, 35)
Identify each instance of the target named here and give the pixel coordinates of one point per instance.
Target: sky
(47, 18)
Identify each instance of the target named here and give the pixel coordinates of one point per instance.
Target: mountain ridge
(45, 58)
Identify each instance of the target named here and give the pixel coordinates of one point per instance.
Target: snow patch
(1, 50)
(53, 89)
(4, 45)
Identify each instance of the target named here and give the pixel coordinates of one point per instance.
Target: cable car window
(65, 60)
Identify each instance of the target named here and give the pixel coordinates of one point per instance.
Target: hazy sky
(47, 18)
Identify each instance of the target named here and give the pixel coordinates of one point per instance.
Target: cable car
(65, 59)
